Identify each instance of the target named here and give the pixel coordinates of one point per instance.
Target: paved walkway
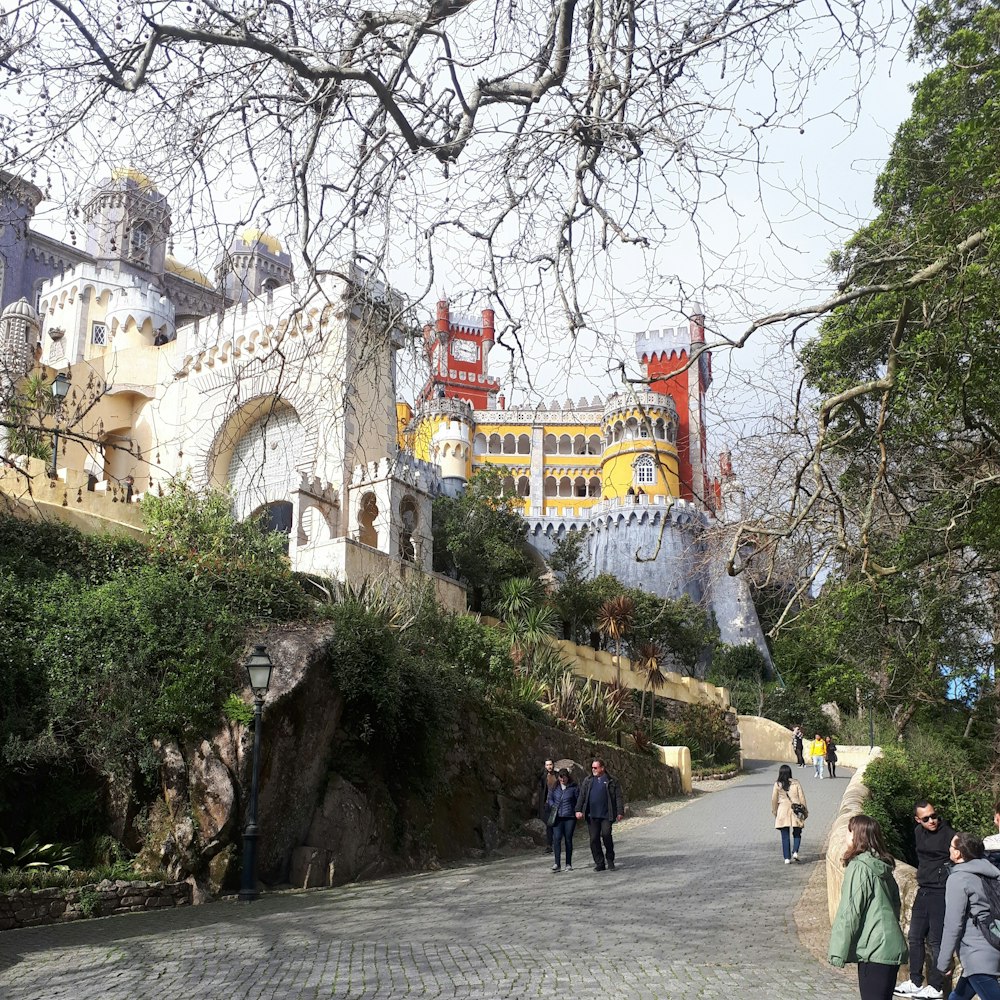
(701, 906)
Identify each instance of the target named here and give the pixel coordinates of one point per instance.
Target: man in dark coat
(933, 838)
(546, 782)
(601, 804)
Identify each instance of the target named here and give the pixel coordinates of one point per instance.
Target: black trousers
(876, 981)
(926, 921)
(600, 829)
(798, 757)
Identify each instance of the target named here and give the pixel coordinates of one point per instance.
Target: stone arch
(551, 446)
(509, 444)
(409, 517)
(594, 446)
(523, 486)
(368, 513)
(565, 444)
(480, 445)
(507, 487)
(551, 487)
(523, 445)
(565, 487)
(579, 445)
(580, 486)
(496, 445)
(276, 517)
(594, 486)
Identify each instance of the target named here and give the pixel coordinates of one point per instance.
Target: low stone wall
(853, 803)
(31, 907)
(762, 739)
(679, 758)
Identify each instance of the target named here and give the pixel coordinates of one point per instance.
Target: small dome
(21, 309)
(174, 266)
(252, 236)
(135, 176)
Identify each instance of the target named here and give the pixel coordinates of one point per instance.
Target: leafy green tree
(480, 537)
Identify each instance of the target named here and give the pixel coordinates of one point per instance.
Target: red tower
(678, 365)
(458, 349)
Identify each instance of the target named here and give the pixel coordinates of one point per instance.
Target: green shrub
(926, 768)
(706, 730)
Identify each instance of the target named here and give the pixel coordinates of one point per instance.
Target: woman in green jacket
(866, 928)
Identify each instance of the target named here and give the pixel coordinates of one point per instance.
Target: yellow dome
(131, 174)
(251, 236)
(174, 266)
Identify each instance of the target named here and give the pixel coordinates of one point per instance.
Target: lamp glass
(60, 385)
(259, 668)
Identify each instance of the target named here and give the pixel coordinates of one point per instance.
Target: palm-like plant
(614, 621)
(648, 661)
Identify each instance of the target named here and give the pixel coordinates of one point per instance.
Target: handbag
(553, 815)
(800, 811)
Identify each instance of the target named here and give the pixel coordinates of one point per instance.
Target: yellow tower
(640, 446)
(442, 432)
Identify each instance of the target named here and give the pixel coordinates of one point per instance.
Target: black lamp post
(259, 668)
(60, 387)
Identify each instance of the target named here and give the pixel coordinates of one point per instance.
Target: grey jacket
(963, 896)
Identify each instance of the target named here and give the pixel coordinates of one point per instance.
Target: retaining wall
(31, 907)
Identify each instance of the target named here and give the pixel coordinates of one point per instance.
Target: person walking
(866, 927)
(546, 782)
(965, 900)
(786, 795)
(601, 804)
(818, 753)
(563, 799)
(932, 837)
(831, 757)
(798, 740)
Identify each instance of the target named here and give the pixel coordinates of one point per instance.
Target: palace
(286, 395)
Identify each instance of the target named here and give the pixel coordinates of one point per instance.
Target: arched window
(550, 444)
(408, 525)
(594, 445)
(509, 444)
(580, 486)
(367, 515)
(644, 470)
(594, 487)
(523, 487)
(619, 431)
(565, 445)
(565, 487)
(524, 445)
(659, 430)
(495, 444)
(631, 429)
(507, 487)
(480, 445)
(579, 445)
(141, 242)
(275, 517)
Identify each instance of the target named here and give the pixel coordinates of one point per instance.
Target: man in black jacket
(933, 838)
(601, 803)
(546, 782)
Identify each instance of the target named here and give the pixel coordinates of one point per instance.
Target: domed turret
(255, 264)
(443, 436)
(128, 222)
(640, 446)
(19, 336)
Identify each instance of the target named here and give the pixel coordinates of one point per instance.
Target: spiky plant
(647, 659)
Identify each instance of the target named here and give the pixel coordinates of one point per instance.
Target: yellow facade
(564, 461)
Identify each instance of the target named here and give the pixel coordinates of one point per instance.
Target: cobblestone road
(701, 906)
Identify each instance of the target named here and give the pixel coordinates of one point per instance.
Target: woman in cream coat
(786, 792)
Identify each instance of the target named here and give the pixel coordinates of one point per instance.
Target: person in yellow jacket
(818, 751)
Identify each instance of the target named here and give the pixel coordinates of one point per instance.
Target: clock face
(465, 350)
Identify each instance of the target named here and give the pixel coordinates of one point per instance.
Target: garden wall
(31, 907)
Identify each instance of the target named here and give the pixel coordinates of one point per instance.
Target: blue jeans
(793, 834)
(818, 763)
(563, 830)
(985, 987)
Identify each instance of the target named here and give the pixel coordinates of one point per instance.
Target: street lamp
(259, 669)
(60, 387)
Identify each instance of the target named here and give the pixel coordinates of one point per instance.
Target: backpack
(989, 923)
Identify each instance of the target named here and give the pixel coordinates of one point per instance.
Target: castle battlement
(445, 406)
(667, 341)
(623, 402)
(404, 467)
